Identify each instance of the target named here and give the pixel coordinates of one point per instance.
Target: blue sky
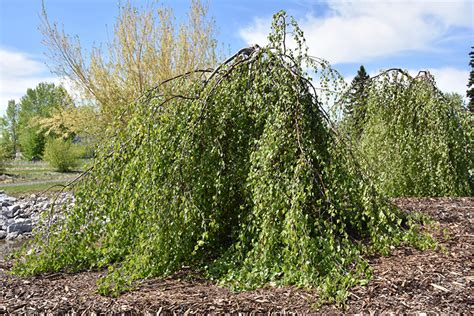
(415, 35)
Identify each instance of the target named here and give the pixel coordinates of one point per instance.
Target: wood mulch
(408, 281)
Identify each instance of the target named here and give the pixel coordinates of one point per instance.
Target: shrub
(61, 154)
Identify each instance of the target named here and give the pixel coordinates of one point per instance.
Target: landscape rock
(8, 213)
(11, 236)
(9, 200)
(9, 221)
(19, 217)
(14, 208)
(20, 227)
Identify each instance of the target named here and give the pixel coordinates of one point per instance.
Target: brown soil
(408, 281)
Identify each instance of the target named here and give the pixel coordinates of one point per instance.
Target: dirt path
(409, 281)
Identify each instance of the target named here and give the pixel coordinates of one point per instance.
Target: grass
(26, 177)
(27, 189)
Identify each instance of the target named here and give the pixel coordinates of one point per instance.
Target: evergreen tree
(357, 100)
(470, 85)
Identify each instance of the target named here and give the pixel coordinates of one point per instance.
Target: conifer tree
(470, 85)
(357, 100)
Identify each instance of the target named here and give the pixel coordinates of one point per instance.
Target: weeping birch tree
(240, 175)
(416, 140)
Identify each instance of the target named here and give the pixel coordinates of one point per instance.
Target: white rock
(14, 208)
(11, 236)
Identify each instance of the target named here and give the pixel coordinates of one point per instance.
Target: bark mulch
(408, 281)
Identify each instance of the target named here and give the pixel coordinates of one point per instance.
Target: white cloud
(450, 79)
(361, 30)
(18, 72)
(18, 64)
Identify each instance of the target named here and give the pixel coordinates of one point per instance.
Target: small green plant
(61, 154)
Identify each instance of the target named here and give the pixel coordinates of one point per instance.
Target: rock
(22, 220)
(12, 236)
(18, 213)
(24, 205)
(10, 199)
(20, 227)
(23, 215)
(8, 213)
(10, 221)
(14, 208)
(19, 217)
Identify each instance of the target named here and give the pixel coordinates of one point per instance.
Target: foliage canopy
(37, 104)
(416, 141)
(9, 125)
(146, 47)
(240, 174)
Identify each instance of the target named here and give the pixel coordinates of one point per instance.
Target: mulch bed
(408, 281)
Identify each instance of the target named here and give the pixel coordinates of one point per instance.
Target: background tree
(147, 47)
(356, 105)
(40, 102)
(10, 130)
(417, 141)
(470, 85)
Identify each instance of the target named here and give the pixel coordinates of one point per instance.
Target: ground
(408, 281)
(26, 177)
